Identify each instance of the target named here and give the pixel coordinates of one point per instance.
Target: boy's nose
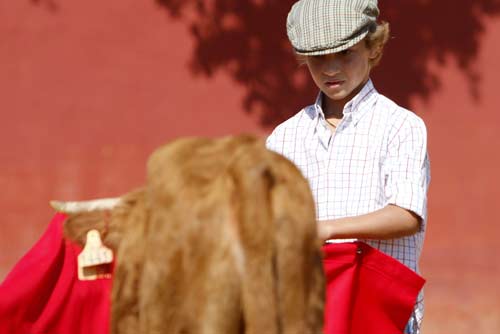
(331, 67)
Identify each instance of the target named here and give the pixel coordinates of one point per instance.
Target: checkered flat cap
(318, 27)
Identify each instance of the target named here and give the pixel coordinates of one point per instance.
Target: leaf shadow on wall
(50, 5)
(247, 40)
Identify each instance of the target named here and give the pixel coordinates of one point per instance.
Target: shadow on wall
(247, 39)
(427, 30)
(51, 5)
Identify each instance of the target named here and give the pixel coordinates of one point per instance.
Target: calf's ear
(110, 217)
(79, 223)
(84, 216)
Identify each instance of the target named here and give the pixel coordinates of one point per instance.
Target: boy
(364, 156)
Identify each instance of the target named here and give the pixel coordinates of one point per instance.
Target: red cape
(42, 294)
(367, 291)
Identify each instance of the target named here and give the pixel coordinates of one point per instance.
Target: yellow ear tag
(94, 262)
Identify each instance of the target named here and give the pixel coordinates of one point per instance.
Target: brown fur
(221, 240)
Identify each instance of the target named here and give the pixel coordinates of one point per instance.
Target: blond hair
(377, 38)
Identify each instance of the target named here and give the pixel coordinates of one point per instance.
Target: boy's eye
(345, 52)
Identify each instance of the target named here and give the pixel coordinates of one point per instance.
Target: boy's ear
(374, 52)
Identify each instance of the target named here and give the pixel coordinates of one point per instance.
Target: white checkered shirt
(377, 156)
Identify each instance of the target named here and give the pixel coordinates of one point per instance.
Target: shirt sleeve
(407, 169)
(270, 142)
(274, 141)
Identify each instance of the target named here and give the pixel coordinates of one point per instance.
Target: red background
(89, 88)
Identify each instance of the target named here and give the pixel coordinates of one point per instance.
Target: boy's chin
(337, 96)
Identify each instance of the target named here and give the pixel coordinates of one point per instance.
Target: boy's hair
(376, 38)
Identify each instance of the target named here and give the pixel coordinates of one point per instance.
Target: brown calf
(221, 240)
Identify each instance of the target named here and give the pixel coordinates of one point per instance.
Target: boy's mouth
(334, 83)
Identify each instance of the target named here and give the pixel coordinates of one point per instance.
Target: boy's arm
(407, 175)
(387, 223)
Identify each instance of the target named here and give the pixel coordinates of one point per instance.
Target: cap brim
(337, 47)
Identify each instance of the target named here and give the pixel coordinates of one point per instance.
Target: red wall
(90, 88)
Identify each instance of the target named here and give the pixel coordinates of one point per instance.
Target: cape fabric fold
(42, 293)
(367, 291)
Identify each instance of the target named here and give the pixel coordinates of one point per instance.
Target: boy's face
(341, 75)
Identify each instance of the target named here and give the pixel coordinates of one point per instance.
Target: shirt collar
(356, 107)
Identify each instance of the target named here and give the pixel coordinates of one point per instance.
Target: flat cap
(318, 27)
